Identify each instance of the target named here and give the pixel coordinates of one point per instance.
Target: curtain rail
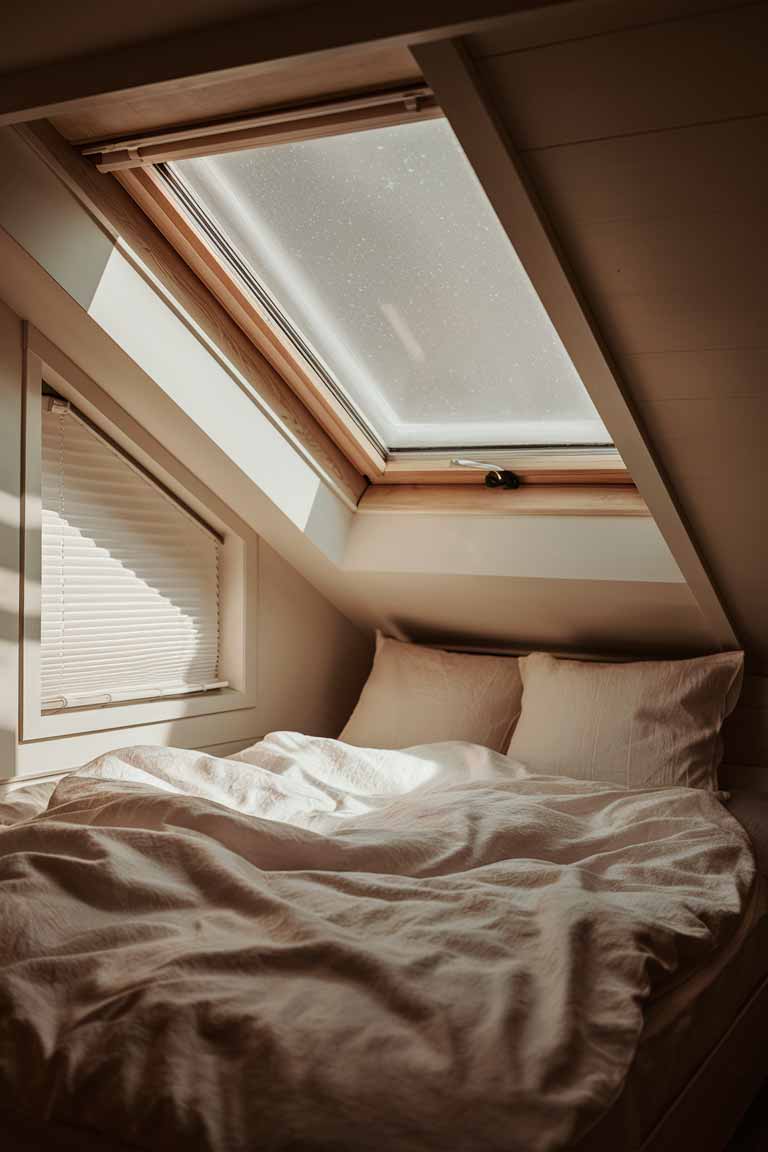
(273, 126)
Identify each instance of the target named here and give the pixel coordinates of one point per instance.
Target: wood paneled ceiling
(648, 147)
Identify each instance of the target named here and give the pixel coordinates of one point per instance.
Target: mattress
(684, 1025)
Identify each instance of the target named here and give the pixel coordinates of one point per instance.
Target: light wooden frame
(535, 466)
(43, 361)
(529, 500)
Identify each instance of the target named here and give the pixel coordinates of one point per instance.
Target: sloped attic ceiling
(648, 147)
(582, 95)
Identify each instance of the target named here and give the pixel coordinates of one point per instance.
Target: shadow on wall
(312, 661)
(9, 674)
(10, 688)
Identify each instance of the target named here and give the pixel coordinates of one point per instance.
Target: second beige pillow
(637, 725)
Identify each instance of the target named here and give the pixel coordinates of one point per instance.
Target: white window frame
(238, 571)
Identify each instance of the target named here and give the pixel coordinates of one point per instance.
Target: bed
(122, 972)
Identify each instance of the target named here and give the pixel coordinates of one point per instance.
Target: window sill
(528, 500)
(106, 717)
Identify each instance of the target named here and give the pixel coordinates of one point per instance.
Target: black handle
(502, 478)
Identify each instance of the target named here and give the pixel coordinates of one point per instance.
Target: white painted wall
(606, 548)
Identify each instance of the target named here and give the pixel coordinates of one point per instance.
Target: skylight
(381, 256)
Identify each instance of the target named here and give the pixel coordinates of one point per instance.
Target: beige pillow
(418, 695)
(636, 725)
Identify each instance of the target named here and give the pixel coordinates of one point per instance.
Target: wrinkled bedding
(314, 946)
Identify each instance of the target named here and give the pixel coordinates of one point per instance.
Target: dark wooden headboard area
(745, 763)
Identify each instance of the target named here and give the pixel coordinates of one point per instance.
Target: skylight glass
(383, 252)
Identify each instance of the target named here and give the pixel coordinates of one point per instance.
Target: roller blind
(129, 580)
(379, 256)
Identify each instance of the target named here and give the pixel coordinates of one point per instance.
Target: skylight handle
(494, 477)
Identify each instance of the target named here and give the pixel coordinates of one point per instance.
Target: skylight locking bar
(231, 256)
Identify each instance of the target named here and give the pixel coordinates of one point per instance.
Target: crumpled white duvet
(314, 946)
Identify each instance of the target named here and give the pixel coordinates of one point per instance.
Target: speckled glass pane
(384, 252)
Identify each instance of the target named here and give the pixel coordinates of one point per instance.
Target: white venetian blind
(130, 579)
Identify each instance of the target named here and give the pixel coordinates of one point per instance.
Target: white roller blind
(130, 579)
(386, 260)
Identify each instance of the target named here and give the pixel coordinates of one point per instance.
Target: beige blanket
(320, 947)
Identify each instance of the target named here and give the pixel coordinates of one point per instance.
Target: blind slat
(130, 582)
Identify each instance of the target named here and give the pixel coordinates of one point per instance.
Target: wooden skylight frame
(134, 162)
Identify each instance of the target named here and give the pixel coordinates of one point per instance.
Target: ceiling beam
(449, 72)
(246, 46)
